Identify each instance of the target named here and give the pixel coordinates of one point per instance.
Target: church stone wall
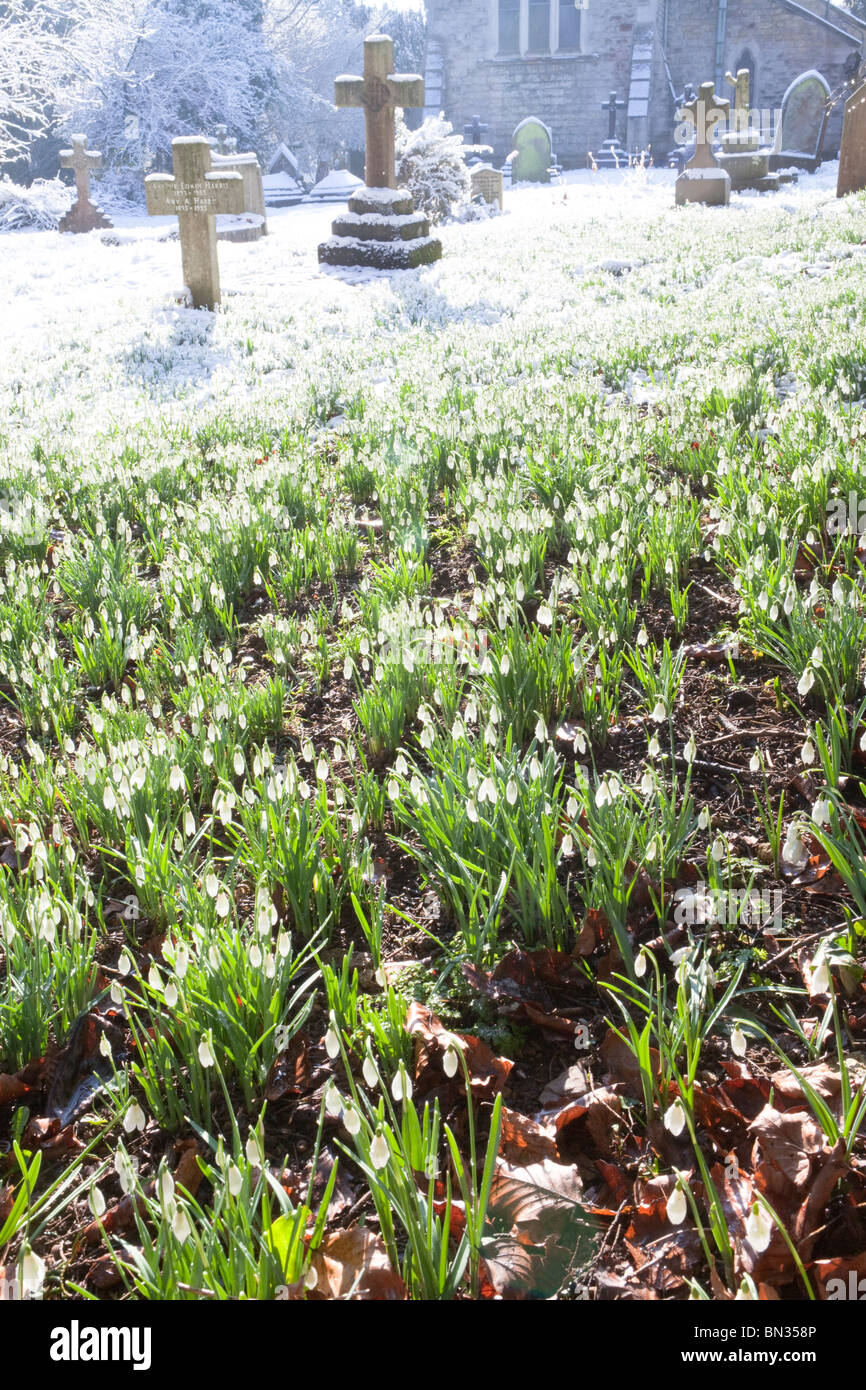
(566, 91)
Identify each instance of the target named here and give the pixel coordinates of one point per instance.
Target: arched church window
(569, 26)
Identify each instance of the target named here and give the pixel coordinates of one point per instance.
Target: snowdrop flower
(603, 795)
(511, 792)
(642, 637)
(369, 1071)
(659, 714)
(401, 1086)
(807, 752)
(124, 964)
(134, 1118)
(450, 1061)
(175, 778)
(654, 747)
(806, 681)
(223, 904)
(690, 750)
(180, 1224)
(96, 1199)
(541, 730)
(333, 1102)
(205, 1053)
(676, 1207)
(253, 1149)
(718, 849)
(352, 1120)
(675, 1119)
(256, 956)
(820, 977)
(170, 994)
(640, 965)
(759, 1228)
(116, 993)
(704, 819)
(32, 1273)
(738, 1042)
(393, 789)
(821, 811)
(332, 1042)
(379, 1151)
(104, 1046)
(794, 852)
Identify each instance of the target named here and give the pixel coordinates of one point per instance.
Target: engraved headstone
(83, 216)
(195, 193)
(488, 183)
(533, 152)
(800, 137)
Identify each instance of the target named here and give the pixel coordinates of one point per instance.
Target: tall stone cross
(195, 194)
(82, 160)
(83, 216)
(379, 91)
(612, 106)
(222, 141)
(743, 98)
(706, 112)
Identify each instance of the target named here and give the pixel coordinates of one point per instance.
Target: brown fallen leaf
(842, 1278)
(354, 1264)
(536, 1199)
(785, 1146)
(11, 1088)
(488, 1074)
(290, 1073)
(515, 1268)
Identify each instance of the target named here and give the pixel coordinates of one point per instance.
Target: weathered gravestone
(195, 194)
(852, 157)
(702, 180)
(381, 229)
(247, 165)
(488, 183)
(742, 156)
(800, 136)
(612, 155)
(83, 216)
(533, 152)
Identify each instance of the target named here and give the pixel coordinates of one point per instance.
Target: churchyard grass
(425, 695)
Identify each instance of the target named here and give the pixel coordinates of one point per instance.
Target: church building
(504, 60)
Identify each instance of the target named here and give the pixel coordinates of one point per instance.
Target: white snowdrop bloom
(817, 657)
(820, 977)
(348, 668)
(180, 1224)
(332, 1043)
(794, 851)
(541, 730)
(642, 637)
(602, 794)
(238, 763)
(32, 1273)
(170, 995)
(96, 1200)
(109, 800)
(676, 1207)
(166, 1189)
(654, 747)
(234, 1179)
(205, 1053)
(333, 1102)
(223, 904)
(154, 979)
(401, 767)
(806, 681)
(759, 1228)
(651, 851)
(351, 1119)
(116, 993)
(253, 1149)
(647, 783)
(511, 791)
(256, 956)
(379, 1152)
(134, 1118)
(321, 770)
(821, 811)
(738, 1042)
(807, 752)
(545, 616)
(175, 778)
(689, 750)
(471, 811)
(487, 791)
(675, 1118)
(567, 846)
(393, 789)
(754, 763)
(369, 1072)
(719, 849)
(534, 769)
(105, 1046)
(211, 885)
(124, 964)
(591, 857)
(284, 945)
(704, 819)
(188, 823)
(401, 1086)
(181, 961)
(505, 664)
(450, 1061)
(659, 714)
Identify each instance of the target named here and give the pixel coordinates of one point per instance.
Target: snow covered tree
(430, 164)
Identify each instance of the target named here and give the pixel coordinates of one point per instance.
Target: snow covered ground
(92, 338)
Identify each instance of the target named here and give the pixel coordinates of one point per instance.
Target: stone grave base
(611, 156)
(84, 217)
(794, 159)
(381, 231)
(710, 186)
(749, 170)
(248, 226)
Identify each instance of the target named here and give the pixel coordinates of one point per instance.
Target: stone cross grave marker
(221, 132)
(852, 156)
(742, 99)
(612, 106)
(474, 131)
(195, 194)
(378, 93)
(702, 180)
(83, 216)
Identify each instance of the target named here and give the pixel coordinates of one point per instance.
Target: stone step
(373, 227)
(384, 202)
(380, 255)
